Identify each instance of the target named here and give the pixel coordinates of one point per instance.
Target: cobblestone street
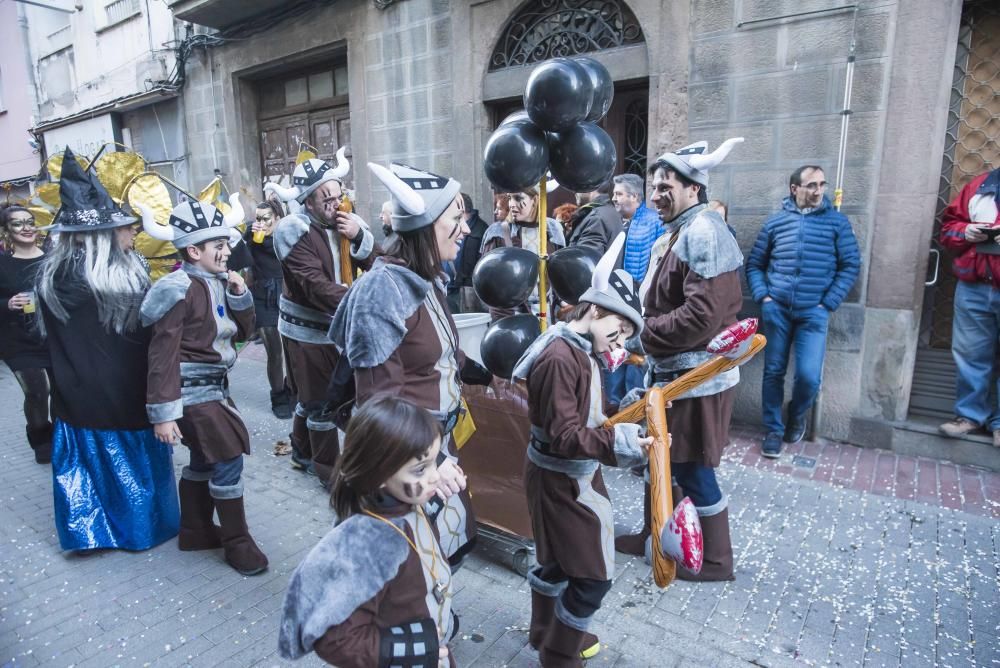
(844, 556)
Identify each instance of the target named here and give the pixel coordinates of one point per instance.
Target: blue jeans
(805, 329)
(619, 382)
(224, 474)
(698, 481)
(973, 345)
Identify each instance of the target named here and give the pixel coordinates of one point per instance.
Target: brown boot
(299, 438)
(635, 544)
(325, 444)
(562, 646)
(718, 551)
(242, 552)
(543, 610)
(198, 531)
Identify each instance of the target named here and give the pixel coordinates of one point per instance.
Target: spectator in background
(719, 206)
(564, 214)
(596, 223)
(975, 326)
(468, 256)
(385, 216)
(501, 207)
(801, 268)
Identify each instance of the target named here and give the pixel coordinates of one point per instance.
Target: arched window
(545, 29)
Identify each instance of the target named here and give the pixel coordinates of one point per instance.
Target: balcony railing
(119, 10)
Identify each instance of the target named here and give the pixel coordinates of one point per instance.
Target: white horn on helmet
(236, 214)
(284, 194)
(152, 228)
(411, 202)
(343, 166)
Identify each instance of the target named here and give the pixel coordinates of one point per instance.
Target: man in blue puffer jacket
(801, 268)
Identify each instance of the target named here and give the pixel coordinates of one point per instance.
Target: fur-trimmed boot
(242, 552)
(40, 440)
(299, 438)
(198, 529)
(718, 550)
(281, 403)
(635, 544)
(563, 646)
(325, 444)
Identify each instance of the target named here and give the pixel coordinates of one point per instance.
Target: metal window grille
(545, 29)
(119, 10)
(636, 136)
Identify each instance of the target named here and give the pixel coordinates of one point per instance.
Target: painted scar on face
(413, 490)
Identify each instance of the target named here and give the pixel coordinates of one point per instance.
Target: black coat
(600, 225)
(470, 253)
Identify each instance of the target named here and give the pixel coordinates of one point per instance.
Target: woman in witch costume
(376, 591)
(570, 510)
(396, 331)
(113, 482)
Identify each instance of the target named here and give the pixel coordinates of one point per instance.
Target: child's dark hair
(382, 437)
(183, 252)
(579, 312)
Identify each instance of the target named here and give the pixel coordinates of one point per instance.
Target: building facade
(19, 162)
(426, 81)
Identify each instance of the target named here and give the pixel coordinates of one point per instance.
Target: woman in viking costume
(398, 335)
(376, 591)
(197, 313)
(570, 510)
(113, 482)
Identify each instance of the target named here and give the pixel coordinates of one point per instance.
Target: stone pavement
(828, 573)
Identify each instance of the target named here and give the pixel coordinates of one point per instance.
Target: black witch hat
(86, 205)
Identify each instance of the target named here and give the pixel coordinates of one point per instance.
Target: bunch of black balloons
(557, 131)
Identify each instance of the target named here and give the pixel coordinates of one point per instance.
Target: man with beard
(320, 250)
(694, 294)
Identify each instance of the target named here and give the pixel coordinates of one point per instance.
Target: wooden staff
(652, 408)
(543, 250)
(346, 267)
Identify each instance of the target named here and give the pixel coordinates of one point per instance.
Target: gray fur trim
(560, 330)
(544, 587)
(201, 235)
(363, 248)
(300, 410)
(239, 302)
(290, 229)
(571, 620)
(201, 394)
(349, 566)
(370, 323)
(319, 425)
(627, 450)
(574, 468)
(162, 297)
(300, 332)
(165, 412)
(187, 473)
(714, 509)
(707, 246)
(225, 492)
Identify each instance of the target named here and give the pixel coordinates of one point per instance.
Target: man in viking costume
(694, 293)
(196, 314)
(320, 249)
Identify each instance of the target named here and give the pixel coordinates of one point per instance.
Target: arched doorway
(605, 29)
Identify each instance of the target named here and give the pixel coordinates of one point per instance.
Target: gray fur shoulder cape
(370, 322)
(166, 292)
(344, 570)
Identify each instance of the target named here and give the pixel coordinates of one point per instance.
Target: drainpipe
(22, 21)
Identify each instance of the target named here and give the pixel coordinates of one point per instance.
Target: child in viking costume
(399, 337)
(376, 591)
(570, 510)
(196, 314)
(691, 293)
(320, 248)
(521, 231)
(113, 482)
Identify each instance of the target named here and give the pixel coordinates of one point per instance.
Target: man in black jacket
(460, 292)
(596, 223)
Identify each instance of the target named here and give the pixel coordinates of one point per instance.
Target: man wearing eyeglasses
(802, 266)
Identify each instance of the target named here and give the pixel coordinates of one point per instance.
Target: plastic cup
(258, 236)
(30, 306)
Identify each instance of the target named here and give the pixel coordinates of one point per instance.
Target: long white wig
(117, 280)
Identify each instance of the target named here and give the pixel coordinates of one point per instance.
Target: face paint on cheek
(413, 490)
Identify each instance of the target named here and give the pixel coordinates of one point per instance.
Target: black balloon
(603, 85)
(558, 94)
(506, 340)
(505, 277)
(582, 158)
(570, 271)
(516, 156)
(520, 115)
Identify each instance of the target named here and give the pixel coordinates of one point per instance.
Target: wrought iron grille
(636, 136)
(545, 29)
(972, 144)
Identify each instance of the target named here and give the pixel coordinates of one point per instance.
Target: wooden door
(326, 130)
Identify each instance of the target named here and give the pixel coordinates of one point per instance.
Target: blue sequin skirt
(112, 488)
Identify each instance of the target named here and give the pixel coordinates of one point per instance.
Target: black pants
(275, 357)
(35, 385)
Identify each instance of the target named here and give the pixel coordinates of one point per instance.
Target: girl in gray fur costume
(376, 591)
